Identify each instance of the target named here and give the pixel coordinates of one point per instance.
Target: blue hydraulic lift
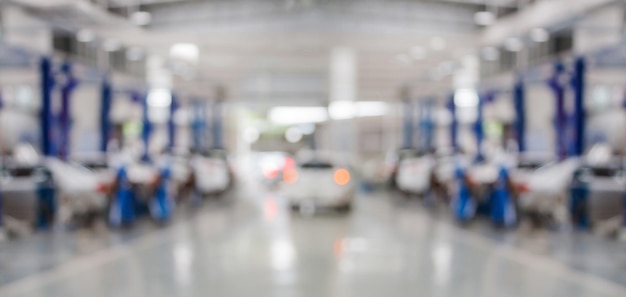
(106, 103)
(171, 124)
(65, 124)
(454, 124)
(427, 124)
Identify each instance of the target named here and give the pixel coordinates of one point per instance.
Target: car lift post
(578, 83)
(427, 124)
(453, 123)
(146, 126)
(47, 85)
(560, 117)
(65, 124)
(171, 124)
(519, 103)
(106, 102)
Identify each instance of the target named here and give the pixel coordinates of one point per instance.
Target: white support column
(343, 88)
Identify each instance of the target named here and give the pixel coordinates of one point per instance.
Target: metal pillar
(66, 104)
(218, 141)
(519, 102)
(106, 102)
(47, 84)
(171, 125)
(454, 129)
(407, 139)
(560, 124)
(579, 106)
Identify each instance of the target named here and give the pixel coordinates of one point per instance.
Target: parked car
(19, 184)
(545, 192)
(598, 193)
(81, 192)
(319, 183)
(212, 172)
(414, 174)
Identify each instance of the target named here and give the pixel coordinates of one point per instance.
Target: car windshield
(20, 171)
(317, 165)
(602, 171)
(530, 165)
(95, 165)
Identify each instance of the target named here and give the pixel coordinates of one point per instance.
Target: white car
(546, 190)
(211, 172)
(319, 184)
(80, 191)
(414, 174)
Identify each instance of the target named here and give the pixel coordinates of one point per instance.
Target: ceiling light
(418, 52)
(513, 44)
(539, 35)
(159, 98)
(111, 45)
(342, 110)
(185, 51)
(141, 18)
(484, 18)
(466, 98)
(290, 115)
(437, 44)
(85, 35)
(371, 108)
(134, 54)
(490, 53)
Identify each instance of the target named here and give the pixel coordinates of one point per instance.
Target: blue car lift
(106, 103)
(65, 124)
(427, 124)
(454, 124)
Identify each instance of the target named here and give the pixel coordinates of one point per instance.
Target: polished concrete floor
(254, 246)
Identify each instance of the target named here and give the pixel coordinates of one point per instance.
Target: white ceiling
(277, 51)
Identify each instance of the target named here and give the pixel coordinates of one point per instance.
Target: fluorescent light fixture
(159, 98)
(513, 44)
(484, 18)
(85, 35)
(111, 45)
(141, 18)
(185, 51)
(465, 98)
(293, 135)
(371, 108)
(539, 35)
(291, 115)
(134, 54)
(437, 44)
(342, 110)
(490, 53)
(418, 52)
